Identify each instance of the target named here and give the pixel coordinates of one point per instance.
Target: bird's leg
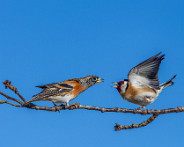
(66, 105)
(56, 107)
(143, 107)
(75, 105)
(139, 108)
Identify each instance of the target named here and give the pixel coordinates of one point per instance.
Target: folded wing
(52, 90)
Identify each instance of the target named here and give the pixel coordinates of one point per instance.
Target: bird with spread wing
(142, 86)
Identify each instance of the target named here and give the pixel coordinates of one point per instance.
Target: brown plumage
(132, 92)
(65, 91)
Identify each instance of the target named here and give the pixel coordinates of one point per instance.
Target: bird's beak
(99, 80)
(115, 85)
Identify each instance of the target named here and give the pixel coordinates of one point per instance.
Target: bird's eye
(121, 82)
(94, 78)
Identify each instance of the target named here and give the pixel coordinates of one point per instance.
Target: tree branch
(10, 98)
(154, 113)
(142, 124)
(13, 88)
(7, 102)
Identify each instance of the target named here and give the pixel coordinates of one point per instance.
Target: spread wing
(146, 73)
(52, 90)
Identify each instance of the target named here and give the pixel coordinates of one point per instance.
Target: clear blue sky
(44, 41)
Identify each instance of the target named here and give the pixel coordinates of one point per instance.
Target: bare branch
(135, 111)
(3, 101)
(142, 124)
(13, 88)
(11, 98)
(121, 110)
(154, 113)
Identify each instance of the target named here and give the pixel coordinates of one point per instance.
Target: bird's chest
(77, 90)
(140, 96)
(61, 98)
(131, 92)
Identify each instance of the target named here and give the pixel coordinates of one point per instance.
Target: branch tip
(118, 127)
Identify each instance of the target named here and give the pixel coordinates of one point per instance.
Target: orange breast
(132, 91)
(78, 88)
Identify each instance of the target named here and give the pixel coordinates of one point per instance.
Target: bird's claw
(74, 106)
(139, 108)
(57, 109)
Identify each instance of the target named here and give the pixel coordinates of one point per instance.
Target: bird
(142, 86)
(64, 92)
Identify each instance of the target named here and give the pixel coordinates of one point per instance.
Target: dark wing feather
(146, 73)
(46, 86)
(51, 90)
(60, 83)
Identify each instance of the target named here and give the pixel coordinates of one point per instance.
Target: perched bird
(65, 91)
(142, 86)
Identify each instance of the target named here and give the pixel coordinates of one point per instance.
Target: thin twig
(13, 88)
(142, 124)
(7, 102)
(21, 97)
(11, 98)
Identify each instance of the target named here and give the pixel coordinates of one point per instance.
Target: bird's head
(121, 86)
(90, 80)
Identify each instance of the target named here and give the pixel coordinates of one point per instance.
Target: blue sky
(44, 41)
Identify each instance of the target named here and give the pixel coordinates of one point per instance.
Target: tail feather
(29, 103)
(168, 83)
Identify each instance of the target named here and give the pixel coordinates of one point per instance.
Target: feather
(146, 73)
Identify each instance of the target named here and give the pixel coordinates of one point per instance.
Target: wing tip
(157, 55)
(41, 86)
(174, 77)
